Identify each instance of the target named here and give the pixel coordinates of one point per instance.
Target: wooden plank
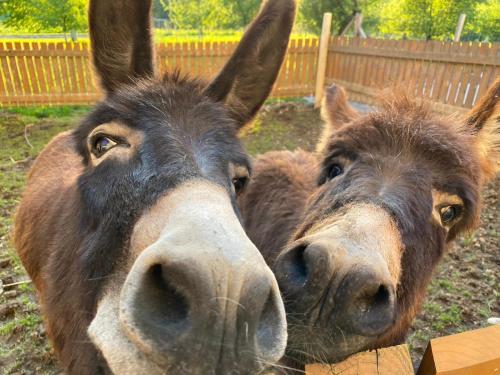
(470, 353)
(72, 68)
(32, 75)
(418, 54)
(395, 360)
(63, 66)
(389, 66)
(23, 69)
(311, 65)
(40, 71)
(487, 75)
(177, 57)
(14, 71)
(6, 87)
(306, 65)
(161, 57)
(91, 79)
(206, 60)
(322, 56)
(465, 78)
(299, 62)
(79, 67)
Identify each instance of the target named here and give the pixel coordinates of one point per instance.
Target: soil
(463, 295)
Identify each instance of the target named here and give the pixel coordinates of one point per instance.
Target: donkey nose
(365, 302)
(304, 272)
(222, 317)
(358, 289)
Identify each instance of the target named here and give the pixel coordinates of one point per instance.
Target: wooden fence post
(460, 26)
(322, 57)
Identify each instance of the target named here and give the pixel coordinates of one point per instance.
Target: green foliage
(415, 19)
(486, 25)
(45, 15)
(200, 15)
(242, 11)
(437, 19)
(311, 13)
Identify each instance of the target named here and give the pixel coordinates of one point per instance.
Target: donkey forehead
(172, 101)
(438, 144)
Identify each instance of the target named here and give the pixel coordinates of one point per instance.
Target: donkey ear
(335, 108)
(248, 77)
(484, 122)
(335, 111)
(120, 34)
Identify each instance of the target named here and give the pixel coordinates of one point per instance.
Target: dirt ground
(463, 295)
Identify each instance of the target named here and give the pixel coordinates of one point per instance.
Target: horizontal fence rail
(453, 75)
(53, 73)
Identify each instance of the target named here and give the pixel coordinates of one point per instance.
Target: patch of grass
(40, 112)
(282, 131)
(7, 328)
(450, 316)
(26, 131)
(432, 307)
(30, 321)
(467, 239)
(494, 233)
(446, 285)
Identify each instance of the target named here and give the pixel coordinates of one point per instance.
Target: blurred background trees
(44, 15)
(415, 19)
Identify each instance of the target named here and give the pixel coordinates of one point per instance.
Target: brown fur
(400, 153)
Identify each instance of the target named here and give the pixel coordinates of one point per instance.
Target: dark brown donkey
(354, 232)
(129, 227)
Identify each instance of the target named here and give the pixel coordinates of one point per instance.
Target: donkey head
(158, 269)
(394, 188)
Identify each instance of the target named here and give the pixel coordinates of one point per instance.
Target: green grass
(28, 129)
(160, 35)
(49, 111)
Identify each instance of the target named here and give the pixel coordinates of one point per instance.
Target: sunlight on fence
(453, 75)
(61, 73)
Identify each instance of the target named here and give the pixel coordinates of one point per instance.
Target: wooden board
(470, 353)
(395, 360)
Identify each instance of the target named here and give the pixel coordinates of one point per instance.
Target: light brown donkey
(129, 227)
(354, 233)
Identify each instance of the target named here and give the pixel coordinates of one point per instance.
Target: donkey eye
(239, 184)
(334, 171)
(449, 213)
(102, 144)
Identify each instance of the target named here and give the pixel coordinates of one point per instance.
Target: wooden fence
(60, 73)
(453, 75)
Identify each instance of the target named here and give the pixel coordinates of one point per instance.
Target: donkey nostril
(295, 266)
(374, 298)
(382, 297)
(165, 302)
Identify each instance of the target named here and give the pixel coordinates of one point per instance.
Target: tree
(198, 14)
(242, 11)
(486, 22)
(424, 19)
(45, 15)
(311, 13)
